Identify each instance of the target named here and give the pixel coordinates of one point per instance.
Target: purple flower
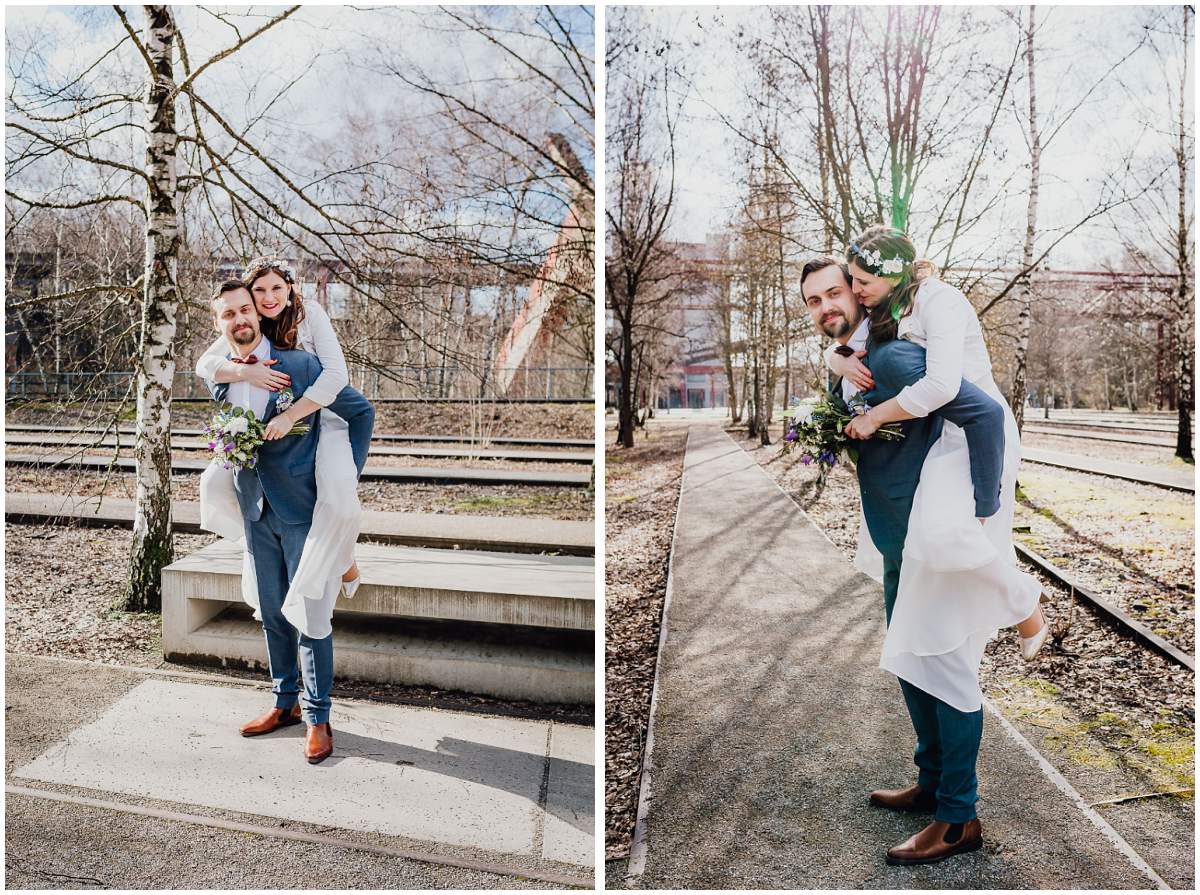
(212, 445)
(228, 465)
(229, 448)
(791, 436)
(806, 458)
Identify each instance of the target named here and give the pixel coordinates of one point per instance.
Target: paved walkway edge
(1065, 787)
(423, 857)
(637, 853)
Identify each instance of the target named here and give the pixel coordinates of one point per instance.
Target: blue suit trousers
(275, 546)
(947, 739)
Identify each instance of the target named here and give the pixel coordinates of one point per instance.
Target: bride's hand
(862, 426)
(278, 426)
(852, 368)
(263, 376)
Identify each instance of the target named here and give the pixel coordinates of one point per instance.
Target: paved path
(96, 756)
(773, 721)
(199, 444)
(445, 475)
(1174, 479)
(506, 533)
(434, 439)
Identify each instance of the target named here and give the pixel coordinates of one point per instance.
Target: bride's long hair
(282, 330)
(870, 251)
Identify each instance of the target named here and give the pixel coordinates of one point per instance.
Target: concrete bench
(516, 626)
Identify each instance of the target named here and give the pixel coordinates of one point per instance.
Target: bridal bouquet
(821, 436)
(235, 434)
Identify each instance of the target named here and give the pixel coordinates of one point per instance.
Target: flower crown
(269, 261)
(877, 264)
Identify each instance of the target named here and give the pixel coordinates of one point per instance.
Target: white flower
(875, 258)
(237, 425)
(892, 265)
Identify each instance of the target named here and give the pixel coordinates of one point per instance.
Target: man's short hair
(228, 286)
(820, 263)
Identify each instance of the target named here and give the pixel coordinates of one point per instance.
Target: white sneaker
(349, 587)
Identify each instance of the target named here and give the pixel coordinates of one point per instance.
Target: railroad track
(1113, 614)
(1171, 479)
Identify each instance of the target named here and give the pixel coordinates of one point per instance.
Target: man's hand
(279, 426)
(263, 376)
(852, 368)
(862, 426)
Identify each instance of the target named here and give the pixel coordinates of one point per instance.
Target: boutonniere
(285, 400)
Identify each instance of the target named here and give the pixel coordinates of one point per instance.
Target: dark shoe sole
(319, 758)
(288, 722)
(911, 809)
(960, 849)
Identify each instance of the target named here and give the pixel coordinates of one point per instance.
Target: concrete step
(415, 582)
(506, 534)
(489, 660)
(506, 625)
(434, 475)
(378, 436)
(199, 444)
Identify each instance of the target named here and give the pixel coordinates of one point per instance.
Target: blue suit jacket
(889, 471)
(286, 470)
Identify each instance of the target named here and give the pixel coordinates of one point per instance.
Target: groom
(888, 473)
(277, 499)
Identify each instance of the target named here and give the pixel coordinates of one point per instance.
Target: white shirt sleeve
(944, 314)
(334, 374)
(829, 355)
(212, 358)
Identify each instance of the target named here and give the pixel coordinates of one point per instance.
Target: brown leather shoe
(272, 720)
(318, 746)
(913, 800)
(930, 845)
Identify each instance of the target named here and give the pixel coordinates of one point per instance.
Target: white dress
(337, 517)
(959, 580)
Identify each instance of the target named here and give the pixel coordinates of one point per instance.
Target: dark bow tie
(249, 360)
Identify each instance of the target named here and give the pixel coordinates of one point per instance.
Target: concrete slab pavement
(772, 722)
(466, 787)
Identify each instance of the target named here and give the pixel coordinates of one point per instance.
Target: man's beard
(839, 327)
(247, 335)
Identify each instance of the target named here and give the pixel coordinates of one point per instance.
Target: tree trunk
(625, 405)
(152, 547)
(1186, 315)
(1025, 315)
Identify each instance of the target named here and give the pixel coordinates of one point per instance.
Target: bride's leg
(329, 548)
(1031, 625)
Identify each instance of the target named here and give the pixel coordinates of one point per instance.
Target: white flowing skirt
(959, 580)
(328, 549)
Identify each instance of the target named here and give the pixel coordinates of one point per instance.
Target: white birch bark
(1025, 293)
(155, 363)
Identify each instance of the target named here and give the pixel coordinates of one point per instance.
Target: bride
(959, 581)
(327, 566)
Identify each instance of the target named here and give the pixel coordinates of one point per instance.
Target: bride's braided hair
(879, 251)
(282, 330)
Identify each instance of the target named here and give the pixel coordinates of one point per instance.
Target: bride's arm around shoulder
(212, 358)
(334, 374)
(944, 315)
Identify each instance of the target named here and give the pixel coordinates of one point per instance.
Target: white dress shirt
(858, 341)
(252, 397)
